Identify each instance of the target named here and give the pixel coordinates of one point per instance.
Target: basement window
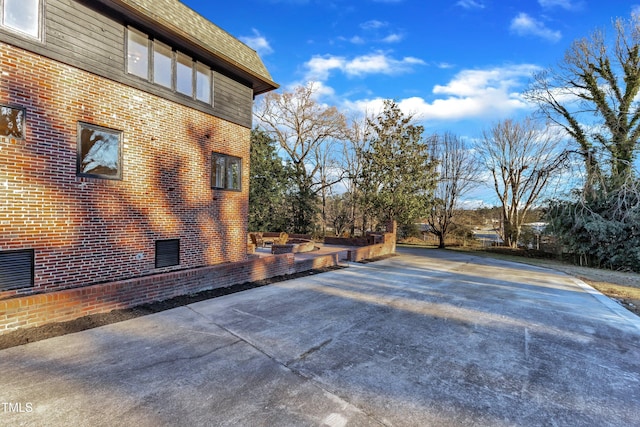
(16, 269)
(12, 121)
(167, 253)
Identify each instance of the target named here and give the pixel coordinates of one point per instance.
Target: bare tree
(592, 95)
(328, 173)
(302, 126)
(353, 148)
(458, 171)
(521, 157)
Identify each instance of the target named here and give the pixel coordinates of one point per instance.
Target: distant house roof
(182, 22)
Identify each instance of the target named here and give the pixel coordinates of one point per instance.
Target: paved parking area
(425, 338)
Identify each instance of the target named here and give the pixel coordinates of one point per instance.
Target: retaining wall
(69, 304)
(373, 251)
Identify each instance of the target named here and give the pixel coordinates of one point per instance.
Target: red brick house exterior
(109, 176)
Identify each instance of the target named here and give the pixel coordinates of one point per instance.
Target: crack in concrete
(312, 379)
(180, 359)
(309, 352)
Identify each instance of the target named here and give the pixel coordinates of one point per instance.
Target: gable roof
(182, 22)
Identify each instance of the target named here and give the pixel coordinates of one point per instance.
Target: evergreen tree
(268, 186)
(398, 176)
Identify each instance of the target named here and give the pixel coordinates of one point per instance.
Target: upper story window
(203, 83)
(184, 74)
(137, 54)
(160, 64)
(22, 16)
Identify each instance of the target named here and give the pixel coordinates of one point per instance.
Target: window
(226, 172)
(162, 64)
(16, 269)
(137, 54)
(184, 74)
(203, 83)
(12, 122)
(22, 16)
(167, 253)
(99, 152)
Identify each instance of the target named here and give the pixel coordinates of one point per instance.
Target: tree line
(313, 168)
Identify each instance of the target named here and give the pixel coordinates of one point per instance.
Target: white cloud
(564, 4)
(635, 10)
(320, 67)
(470, 4)
(321, 90)
(380, 63)
(258, 43)
(471, 94)
(393, 38)
(373, 25)
(524, 25)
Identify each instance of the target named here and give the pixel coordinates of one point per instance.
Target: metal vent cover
(167, 253)
(16, 269)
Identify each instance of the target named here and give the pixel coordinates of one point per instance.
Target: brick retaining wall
(374, 251)
(69, 304)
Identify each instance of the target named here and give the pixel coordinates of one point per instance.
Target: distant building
(124, 142)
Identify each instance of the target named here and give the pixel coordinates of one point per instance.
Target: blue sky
(460, 65)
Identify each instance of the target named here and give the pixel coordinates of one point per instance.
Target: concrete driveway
(425, 338)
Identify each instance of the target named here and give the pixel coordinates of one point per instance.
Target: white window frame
(18, 30)
(180, 57)
(170, 56)
(199, 73)
(204, 70)
(147, 60)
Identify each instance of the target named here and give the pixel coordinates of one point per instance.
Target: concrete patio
(428, 338)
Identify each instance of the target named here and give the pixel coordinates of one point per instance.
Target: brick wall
(374, 251)
(69, 304)
(86, 231)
